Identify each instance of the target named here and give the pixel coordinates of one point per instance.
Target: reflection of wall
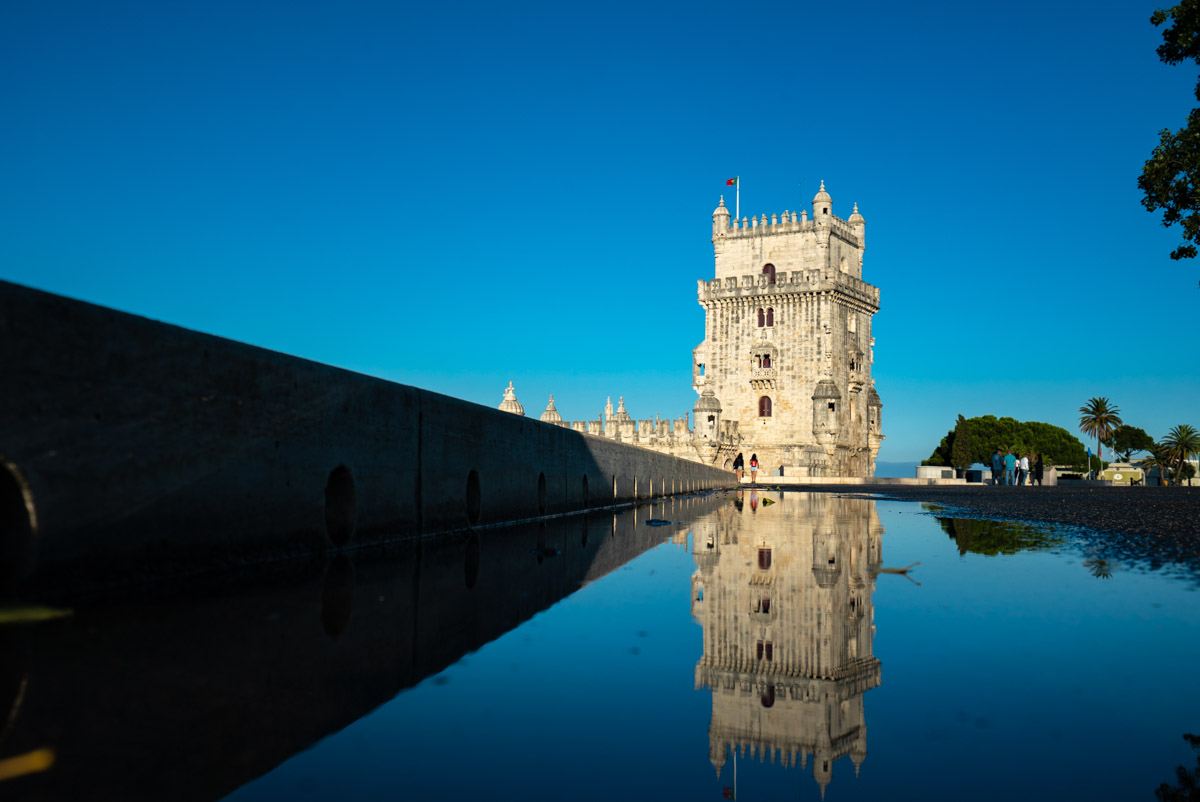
(784, 595)
(190, 696)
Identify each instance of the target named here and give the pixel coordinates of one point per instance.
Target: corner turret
(708, 416)
(822, 206)
(720, 219)
(859, 225)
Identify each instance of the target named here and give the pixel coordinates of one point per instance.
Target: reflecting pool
(755, 645)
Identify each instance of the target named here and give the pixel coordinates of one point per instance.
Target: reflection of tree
(1099, 567)
(996, 537)
(1189, 781)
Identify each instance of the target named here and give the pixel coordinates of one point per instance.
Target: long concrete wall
(136, 447)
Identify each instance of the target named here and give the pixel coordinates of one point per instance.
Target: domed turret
(551, 414)
(708, 415)
(510, 402)
(822, 205)
(720, 219)
(825, 400)
(855, 217)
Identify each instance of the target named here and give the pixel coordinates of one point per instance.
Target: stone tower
(787, 348)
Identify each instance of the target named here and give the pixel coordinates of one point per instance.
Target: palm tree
(1180, 444)
(1158, 459)
(1098, 418)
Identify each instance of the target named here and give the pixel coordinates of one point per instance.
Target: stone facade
(784, 595)
(787, 348)
(784, 372)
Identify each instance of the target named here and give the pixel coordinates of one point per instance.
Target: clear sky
(457, 195)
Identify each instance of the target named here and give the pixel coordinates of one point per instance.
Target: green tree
(1170, 179)
(1179, 445)
(1128, 439)
(960, 452)
(1056, 445)
(1098, 418)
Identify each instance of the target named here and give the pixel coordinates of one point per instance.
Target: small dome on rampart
(721, 208)
(621, 415)
(551, 414)
(510, 402)
(855, 217)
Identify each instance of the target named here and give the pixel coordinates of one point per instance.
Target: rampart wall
(130, 447)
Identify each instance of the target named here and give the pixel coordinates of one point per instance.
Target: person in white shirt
(1024, 469)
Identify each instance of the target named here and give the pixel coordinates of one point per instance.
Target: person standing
(738, 465)
(1010, 467)
(997, 468)
(1039, 469)
(1024, 471)
(753, 468)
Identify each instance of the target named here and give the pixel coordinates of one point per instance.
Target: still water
(759, 646)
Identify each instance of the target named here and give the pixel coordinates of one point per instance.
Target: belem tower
(784, 371)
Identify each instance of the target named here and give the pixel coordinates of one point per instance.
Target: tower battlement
(797, 281)
(787, 223)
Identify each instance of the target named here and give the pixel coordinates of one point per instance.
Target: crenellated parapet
(788, 223)
(786, 283)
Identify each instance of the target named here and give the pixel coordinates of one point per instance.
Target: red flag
(731, 182)
(728, 793)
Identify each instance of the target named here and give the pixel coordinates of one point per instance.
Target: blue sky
(458, 195)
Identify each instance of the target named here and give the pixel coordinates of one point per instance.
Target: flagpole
(737, 208)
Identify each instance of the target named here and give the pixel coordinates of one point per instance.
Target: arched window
(761, 319)
(770, 317)
(766, 360)
(769, 272)
(764, 407)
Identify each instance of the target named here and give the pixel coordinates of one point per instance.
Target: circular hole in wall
(341, 511)
(474, 497)
(471, 560)
(16, 526)
(541, 494)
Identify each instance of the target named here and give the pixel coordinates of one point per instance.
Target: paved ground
(1156, 525)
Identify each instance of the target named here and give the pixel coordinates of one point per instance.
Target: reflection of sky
(1002, 676)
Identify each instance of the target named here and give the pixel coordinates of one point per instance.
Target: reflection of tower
(784, 596)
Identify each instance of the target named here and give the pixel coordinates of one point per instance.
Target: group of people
(739, 465)
(1009, 469)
